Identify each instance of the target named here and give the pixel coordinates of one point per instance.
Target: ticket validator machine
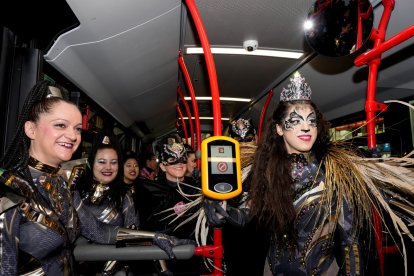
(220, 166)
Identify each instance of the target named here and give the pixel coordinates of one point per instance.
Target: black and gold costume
(335, 201)
(317, 235)
(105, 209)
(43, 224)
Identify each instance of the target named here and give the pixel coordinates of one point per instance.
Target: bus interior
(134, 65)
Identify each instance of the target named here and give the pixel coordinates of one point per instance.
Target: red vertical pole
(211, 69)
(193, 101)
(372, 106)
(180, 114)
(359, 30)
(218, 251)
(187, 110)
(263, 114)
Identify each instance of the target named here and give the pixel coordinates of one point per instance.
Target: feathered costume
(336, 200)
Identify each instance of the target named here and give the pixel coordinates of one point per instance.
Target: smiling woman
(162, 204)
(36, 206)
(104, 197)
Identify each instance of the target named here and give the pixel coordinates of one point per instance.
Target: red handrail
(214, 251)
(190, 88)
(263, 114)
(373, 58)
(187, 110)
(211, 69)
(217, 251)
(180, 114)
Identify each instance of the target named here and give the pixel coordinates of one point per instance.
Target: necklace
(297, 164)
(98, 192)
(50, 183)
(36, 164)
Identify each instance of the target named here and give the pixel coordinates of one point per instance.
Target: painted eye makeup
(292, 121)
(311, 120)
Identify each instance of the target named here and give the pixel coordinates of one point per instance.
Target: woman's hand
(216, 215)
(166, 243)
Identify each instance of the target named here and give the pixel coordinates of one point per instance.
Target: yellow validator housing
(220, 167)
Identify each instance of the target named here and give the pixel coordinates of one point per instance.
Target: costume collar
(36, 164)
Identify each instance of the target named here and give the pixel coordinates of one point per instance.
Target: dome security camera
(250, 45)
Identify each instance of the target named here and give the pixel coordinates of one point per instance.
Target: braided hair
(36, 103)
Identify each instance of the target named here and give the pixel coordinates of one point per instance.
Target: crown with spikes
(297, 89)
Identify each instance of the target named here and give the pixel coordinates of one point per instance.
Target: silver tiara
(297, 89)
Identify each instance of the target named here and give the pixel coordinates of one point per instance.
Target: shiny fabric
(50, 246)
(316, 251)
(106, 211)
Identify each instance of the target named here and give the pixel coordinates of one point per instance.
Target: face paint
(299, 130)
(294, 119)
(311, 120)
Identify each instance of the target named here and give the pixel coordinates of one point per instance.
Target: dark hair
(189, 149)
(271, 190)
(85, 184)
(16, 157)
(130, 155)
(36, 103)
(144, 157)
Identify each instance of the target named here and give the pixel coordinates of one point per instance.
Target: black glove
(166, 243)
(217, 216)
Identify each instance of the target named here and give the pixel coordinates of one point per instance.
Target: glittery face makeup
(299, 129)
(295, 119)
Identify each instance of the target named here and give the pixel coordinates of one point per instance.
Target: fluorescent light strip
(241, 51)
(228, 99)
(207, 118)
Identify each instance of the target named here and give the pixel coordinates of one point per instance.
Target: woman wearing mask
(40, 217)
(164, 205)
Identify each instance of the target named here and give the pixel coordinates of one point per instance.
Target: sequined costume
(44, 225)
(312, 253)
